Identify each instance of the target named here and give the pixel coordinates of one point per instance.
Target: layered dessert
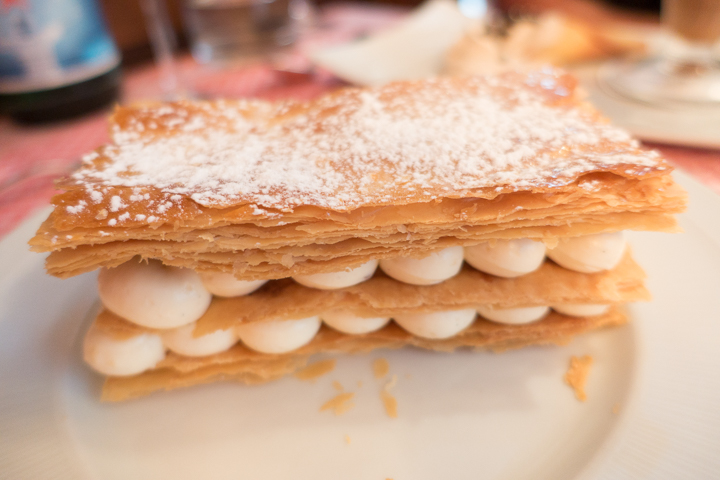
(236, 239)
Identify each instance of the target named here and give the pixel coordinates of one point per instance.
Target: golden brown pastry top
(403, 143)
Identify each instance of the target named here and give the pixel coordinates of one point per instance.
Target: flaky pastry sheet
(253, 252)
(273, 190)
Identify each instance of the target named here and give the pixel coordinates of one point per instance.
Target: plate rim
(597, 466)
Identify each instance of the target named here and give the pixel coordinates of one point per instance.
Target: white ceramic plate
(676, 124)
(462, 415)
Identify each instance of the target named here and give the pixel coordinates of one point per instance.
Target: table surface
(31, 157)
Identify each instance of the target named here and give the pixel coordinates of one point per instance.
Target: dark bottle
(57, 59)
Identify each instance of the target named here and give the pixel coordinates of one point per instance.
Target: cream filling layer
(120, 357)
(160, 297)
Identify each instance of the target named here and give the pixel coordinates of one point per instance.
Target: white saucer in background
(676, 124)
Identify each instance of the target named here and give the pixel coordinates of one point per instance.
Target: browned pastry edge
(290, 261)
(322, 245)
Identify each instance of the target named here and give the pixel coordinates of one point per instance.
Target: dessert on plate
(235, 239)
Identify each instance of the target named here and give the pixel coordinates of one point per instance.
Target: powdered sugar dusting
(401, 142)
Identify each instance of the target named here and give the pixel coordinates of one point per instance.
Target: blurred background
(125, 18)
(45, 46)
(651, 66)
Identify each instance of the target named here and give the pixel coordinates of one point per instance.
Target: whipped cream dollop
(278, 336)
(513, 316)
(121, 357)
(430, 270)
(589, 253)
(182, 341)
(436, 325)
(153, 295)
(336, 280)
(506, 258)
(347, 322)
(581, 310)
(226, 285)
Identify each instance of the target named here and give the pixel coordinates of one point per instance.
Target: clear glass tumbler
(687, 69)
(223, 31)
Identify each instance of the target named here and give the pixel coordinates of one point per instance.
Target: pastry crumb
(338, 386)
(576, 375)
(339, 404)
(315, 370)
(380, 367)
(347, 439)
(390, 404)
(389, 401)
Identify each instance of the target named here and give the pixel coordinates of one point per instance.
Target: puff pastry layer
(273, 190)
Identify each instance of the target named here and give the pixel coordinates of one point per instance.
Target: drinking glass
(687, 68)
(164, 44)
(224, 31)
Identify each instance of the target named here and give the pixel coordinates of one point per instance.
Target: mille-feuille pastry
(238, 238)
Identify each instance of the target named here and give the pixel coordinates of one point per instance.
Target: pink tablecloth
(32, 157)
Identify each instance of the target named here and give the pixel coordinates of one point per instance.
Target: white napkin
(414, 49)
